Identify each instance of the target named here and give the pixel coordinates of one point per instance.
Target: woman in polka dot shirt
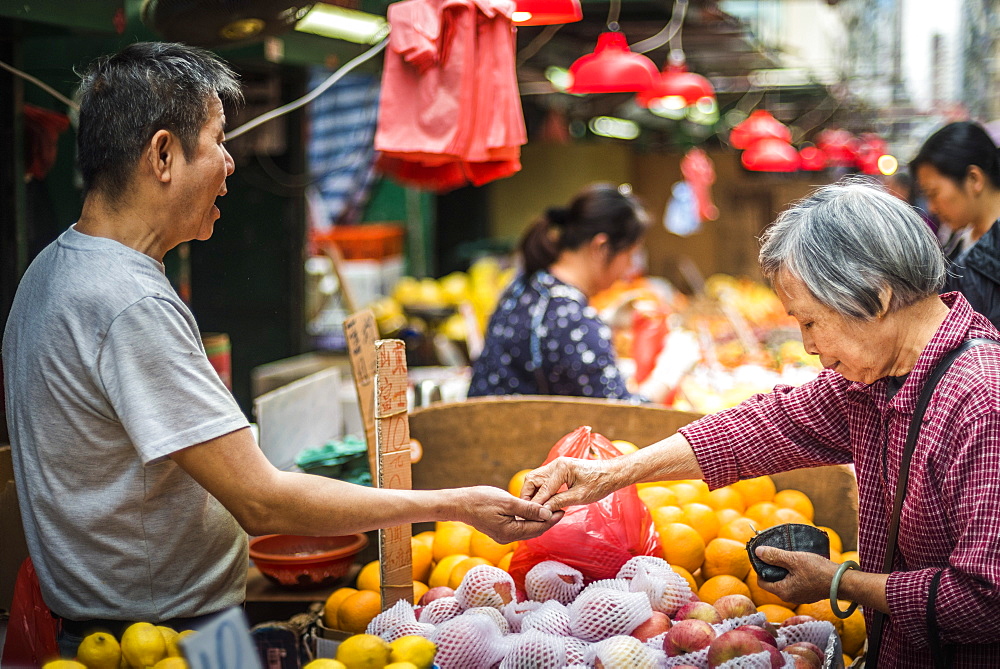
(544, 338)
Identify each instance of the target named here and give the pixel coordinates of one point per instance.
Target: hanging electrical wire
(312, 95)
(41, 84)
(535, 45)
(668, 33)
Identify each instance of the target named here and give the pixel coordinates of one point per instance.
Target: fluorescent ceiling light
(342, 23)
(609, 126)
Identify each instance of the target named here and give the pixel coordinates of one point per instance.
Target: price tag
(223, 643)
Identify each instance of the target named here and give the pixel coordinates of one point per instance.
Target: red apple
(658, 623)
(761, 633)
(687, 636)
(732, 644)
(810, 651)
(436, 593)
(797, 620)
(777, 661)
(735, 606)
(699, 611)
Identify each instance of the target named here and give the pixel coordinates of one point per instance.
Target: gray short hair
(850, 241)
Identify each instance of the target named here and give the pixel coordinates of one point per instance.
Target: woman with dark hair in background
(958, 171)
(544, 338)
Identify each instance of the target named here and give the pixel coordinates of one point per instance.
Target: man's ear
(160, 154)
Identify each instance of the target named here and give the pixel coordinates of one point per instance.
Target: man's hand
(586, 481)
(503, 517)
(809, 575)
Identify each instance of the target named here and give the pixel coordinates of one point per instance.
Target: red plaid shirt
(951, 515)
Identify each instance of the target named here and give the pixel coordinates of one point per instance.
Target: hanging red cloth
(450, 111)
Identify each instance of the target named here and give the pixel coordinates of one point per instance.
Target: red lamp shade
(871, 148)
(612, 68)
(546, 12)
(840, 147)
(759, 125)
(771, 155)
(677, 82)
(812, 158)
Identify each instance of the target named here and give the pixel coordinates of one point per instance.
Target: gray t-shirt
(106, 376)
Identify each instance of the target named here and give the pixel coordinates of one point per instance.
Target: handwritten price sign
(223, 643)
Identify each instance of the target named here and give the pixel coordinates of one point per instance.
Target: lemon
(414, 649)
(173, 645)
(171, 663)
(363, 651)
(63, 664)
(99, 650)
(143, 645)
(401, 665)
(325, 663)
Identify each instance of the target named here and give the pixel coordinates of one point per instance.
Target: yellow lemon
(625, 447)
(483, 546)
(401, 665)
(462, 568)
(442, 571)
(171, 663)
(517, 482)
(143, 645)
(414, 649)
(363, 651)
(63, 664)
(325, 663)
(169, 636)
(173, 644)
(99, 651)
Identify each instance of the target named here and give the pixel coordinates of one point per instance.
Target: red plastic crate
(365, 242)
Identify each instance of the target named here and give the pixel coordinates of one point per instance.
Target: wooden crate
(485, 440)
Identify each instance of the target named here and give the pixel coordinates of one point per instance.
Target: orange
(727, 516)
(504, 562)
(719, 586)
(741, 529)
(333, 603)
(452, 538)
(418, 590)
(762, 514)
(369, 577)
(442, 570)
(795, 499)
(687, 492)
(687, 577)
(426, 538)
(726, 498)
(517, 481)
(853, 636)
(821, 611)
(682, 545)
(665, 515)
(480, 545)
(462, 568)
(657, 496)
(774, 613)
(760, 596)
(422, 556)
(357, 610)
(726, 556)
(624, 447)
(786, 515)
(702, 518)
(835, 543)
(760, 489)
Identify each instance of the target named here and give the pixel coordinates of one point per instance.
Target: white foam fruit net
(732, 623)
(400, 612)
(696, 659)
(623, 651)
(599, 613)
(492, 614)
(817, 632)
(536, 650)
(755, 661)
(468, 641)
(408, 629)
(485, 585)
(648, 562)
(576, 650)
(551, 618)
(516, 611)
(440, 610)
(666, 590)
(619, 584)
(553, 580)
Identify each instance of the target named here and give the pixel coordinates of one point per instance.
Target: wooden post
(392, 436)
(361, 332)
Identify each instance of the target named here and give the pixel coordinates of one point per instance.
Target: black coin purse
(787, 537)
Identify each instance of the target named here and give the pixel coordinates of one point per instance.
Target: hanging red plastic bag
(31, 630)
(597, 538)
(649, 332)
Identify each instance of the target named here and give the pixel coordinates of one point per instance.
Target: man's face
(202, 177)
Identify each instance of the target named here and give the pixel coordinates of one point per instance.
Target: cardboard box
(486, 440)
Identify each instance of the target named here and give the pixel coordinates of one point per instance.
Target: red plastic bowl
(304, 563)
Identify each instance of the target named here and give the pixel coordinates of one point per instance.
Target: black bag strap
(878, 623)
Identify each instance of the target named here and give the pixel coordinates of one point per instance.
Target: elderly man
(859, 270)
(136, 471)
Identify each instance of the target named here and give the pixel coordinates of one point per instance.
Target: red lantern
(840, 147)
(676, 82)
(871, 147)
(812, 158)
(612, 68)
(759, 125)
(546, 12)
(771, 155)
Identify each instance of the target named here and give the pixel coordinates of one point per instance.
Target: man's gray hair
(850, 241)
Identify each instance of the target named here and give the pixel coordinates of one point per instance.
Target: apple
(777, 661)
(797, 620)
(436, 593)
(657, 624)
(761, 633)
(731, 645)
(687, 636)
(699, 611)
(809, 651)
(735, 606)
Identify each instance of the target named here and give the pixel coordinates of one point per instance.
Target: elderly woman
(859, 271)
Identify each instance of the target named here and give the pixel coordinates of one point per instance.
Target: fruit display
(142, 646)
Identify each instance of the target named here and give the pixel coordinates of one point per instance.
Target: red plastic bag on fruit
(597, 538)
(31, 630)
